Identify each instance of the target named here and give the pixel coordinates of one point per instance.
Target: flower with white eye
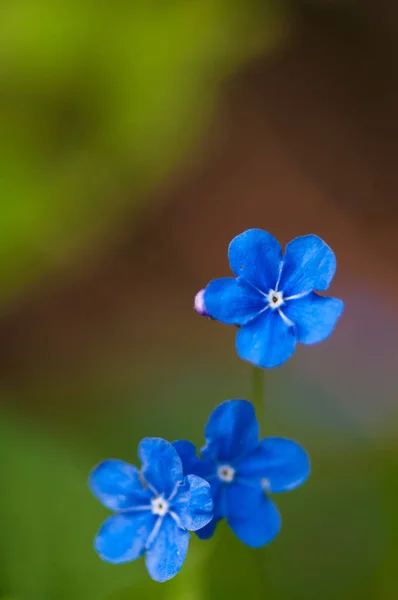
(155, 509)
(242, 470)
(271, 298)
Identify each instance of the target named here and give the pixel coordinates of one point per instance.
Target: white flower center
(275, 299)
(226, 473)
(160, 506)
(265, 484)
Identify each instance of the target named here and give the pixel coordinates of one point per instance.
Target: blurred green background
(137, 137)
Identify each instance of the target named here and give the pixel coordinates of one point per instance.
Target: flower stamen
(160, 506)
(275, 299)
(226, 473)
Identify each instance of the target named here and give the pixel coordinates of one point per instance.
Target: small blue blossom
(155, 508)
(272, 298)
(242, 470)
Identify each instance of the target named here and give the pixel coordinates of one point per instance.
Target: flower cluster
(272, 301)
(176, 492)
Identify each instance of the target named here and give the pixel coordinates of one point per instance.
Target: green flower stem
(257, 394)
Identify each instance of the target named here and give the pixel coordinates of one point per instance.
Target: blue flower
(272, 298)
(155, 508)
(242, 470)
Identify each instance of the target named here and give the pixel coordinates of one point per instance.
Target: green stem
(258, 392)
(257, 397)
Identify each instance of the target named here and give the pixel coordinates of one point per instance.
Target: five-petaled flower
(272, 297)
(155, 508)
(242, 469)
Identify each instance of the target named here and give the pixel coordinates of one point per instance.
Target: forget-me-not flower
(242, 470)
(272, 297)
(155, 508)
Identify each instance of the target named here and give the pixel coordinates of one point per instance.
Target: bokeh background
(137, 137)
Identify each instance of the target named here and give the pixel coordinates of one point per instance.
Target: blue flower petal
(193, 503)
(308, 264)
(267, 342)
(218, 494)
(232, 301)
(314, 317)
(167, 552)
(256, 255)
(118, 485)
(278, 463)
(161, 465)
(123, 537)
(208, 530)
(187, 453)
(232, 430)
(260, 525)
(240, 499)
(191, 463)
(252, 516)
